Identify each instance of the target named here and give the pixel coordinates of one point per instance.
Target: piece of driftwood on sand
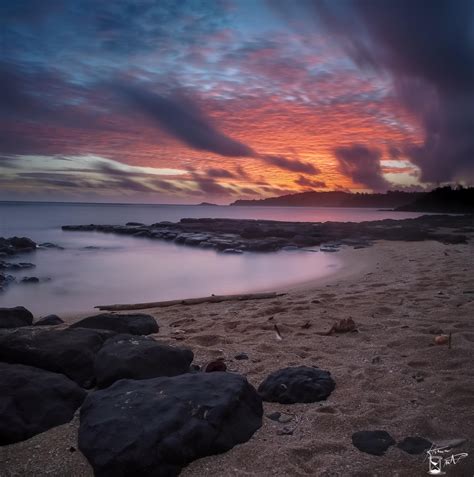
(190, 301)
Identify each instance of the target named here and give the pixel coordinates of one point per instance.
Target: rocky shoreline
(144, 407)
(238, 236)
(247, 383)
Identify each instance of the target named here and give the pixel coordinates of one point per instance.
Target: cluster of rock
(238, 235)
(8, 248)
(378, 442)
(14, 246)
(145, 409)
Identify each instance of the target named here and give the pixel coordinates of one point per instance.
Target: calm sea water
(96, 268)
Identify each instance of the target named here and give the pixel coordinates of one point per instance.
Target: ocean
(96, 269)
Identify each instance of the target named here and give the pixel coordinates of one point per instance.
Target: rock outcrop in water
(267, 236)
(14, 245)
(8, 248)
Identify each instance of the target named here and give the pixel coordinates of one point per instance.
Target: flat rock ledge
(236, 236)
(157, 426)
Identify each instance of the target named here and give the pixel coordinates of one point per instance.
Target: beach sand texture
(389, 375)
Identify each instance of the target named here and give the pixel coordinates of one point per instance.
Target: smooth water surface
(96, 268)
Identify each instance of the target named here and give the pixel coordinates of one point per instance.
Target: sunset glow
(215, 101)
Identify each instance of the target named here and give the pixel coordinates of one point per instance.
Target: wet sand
(389, 375)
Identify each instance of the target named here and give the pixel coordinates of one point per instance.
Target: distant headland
(443, 199)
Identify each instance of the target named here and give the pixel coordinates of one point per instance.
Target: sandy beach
(389, 375)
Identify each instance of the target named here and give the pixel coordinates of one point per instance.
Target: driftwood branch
(190, 301)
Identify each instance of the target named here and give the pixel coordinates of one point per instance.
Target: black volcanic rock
(50, 245)
(22, 243)
(134, 324)
(372, 442)
(29, 280)
(298, 384)
(414, 445)
(33, 400)
(14, 245)
(70, 352)
(49, 320)
(269, 236)
(139, 357)
(157, 426)
(5, 280)
(15, 317)
(16, 265)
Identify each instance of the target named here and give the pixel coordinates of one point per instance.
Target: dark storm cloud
(181, 118)
(293, 165)
(305, 182)
(362, 165)
(179, 115)
(427, 47)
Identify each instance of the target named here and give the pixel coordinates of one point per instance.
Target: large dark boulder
(134, 324)
(33, 400)
(15, 317)
(298, 384)
(70, 352)
(157, 426)
(139, 357)
(372, 442)
(49, 320)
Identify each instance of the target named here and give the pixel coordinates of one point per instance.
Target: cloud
(305, 182)
(427, 51)
(180, 117)
(293, 165)
(220, 173)
(87, 173)
(241, 173)
(362, 165)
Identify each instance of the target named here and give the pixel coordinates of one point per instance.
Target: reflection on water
(130, 270)
(98, 269)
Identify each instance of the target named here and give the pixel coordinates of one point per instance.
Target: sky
(184, 101)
